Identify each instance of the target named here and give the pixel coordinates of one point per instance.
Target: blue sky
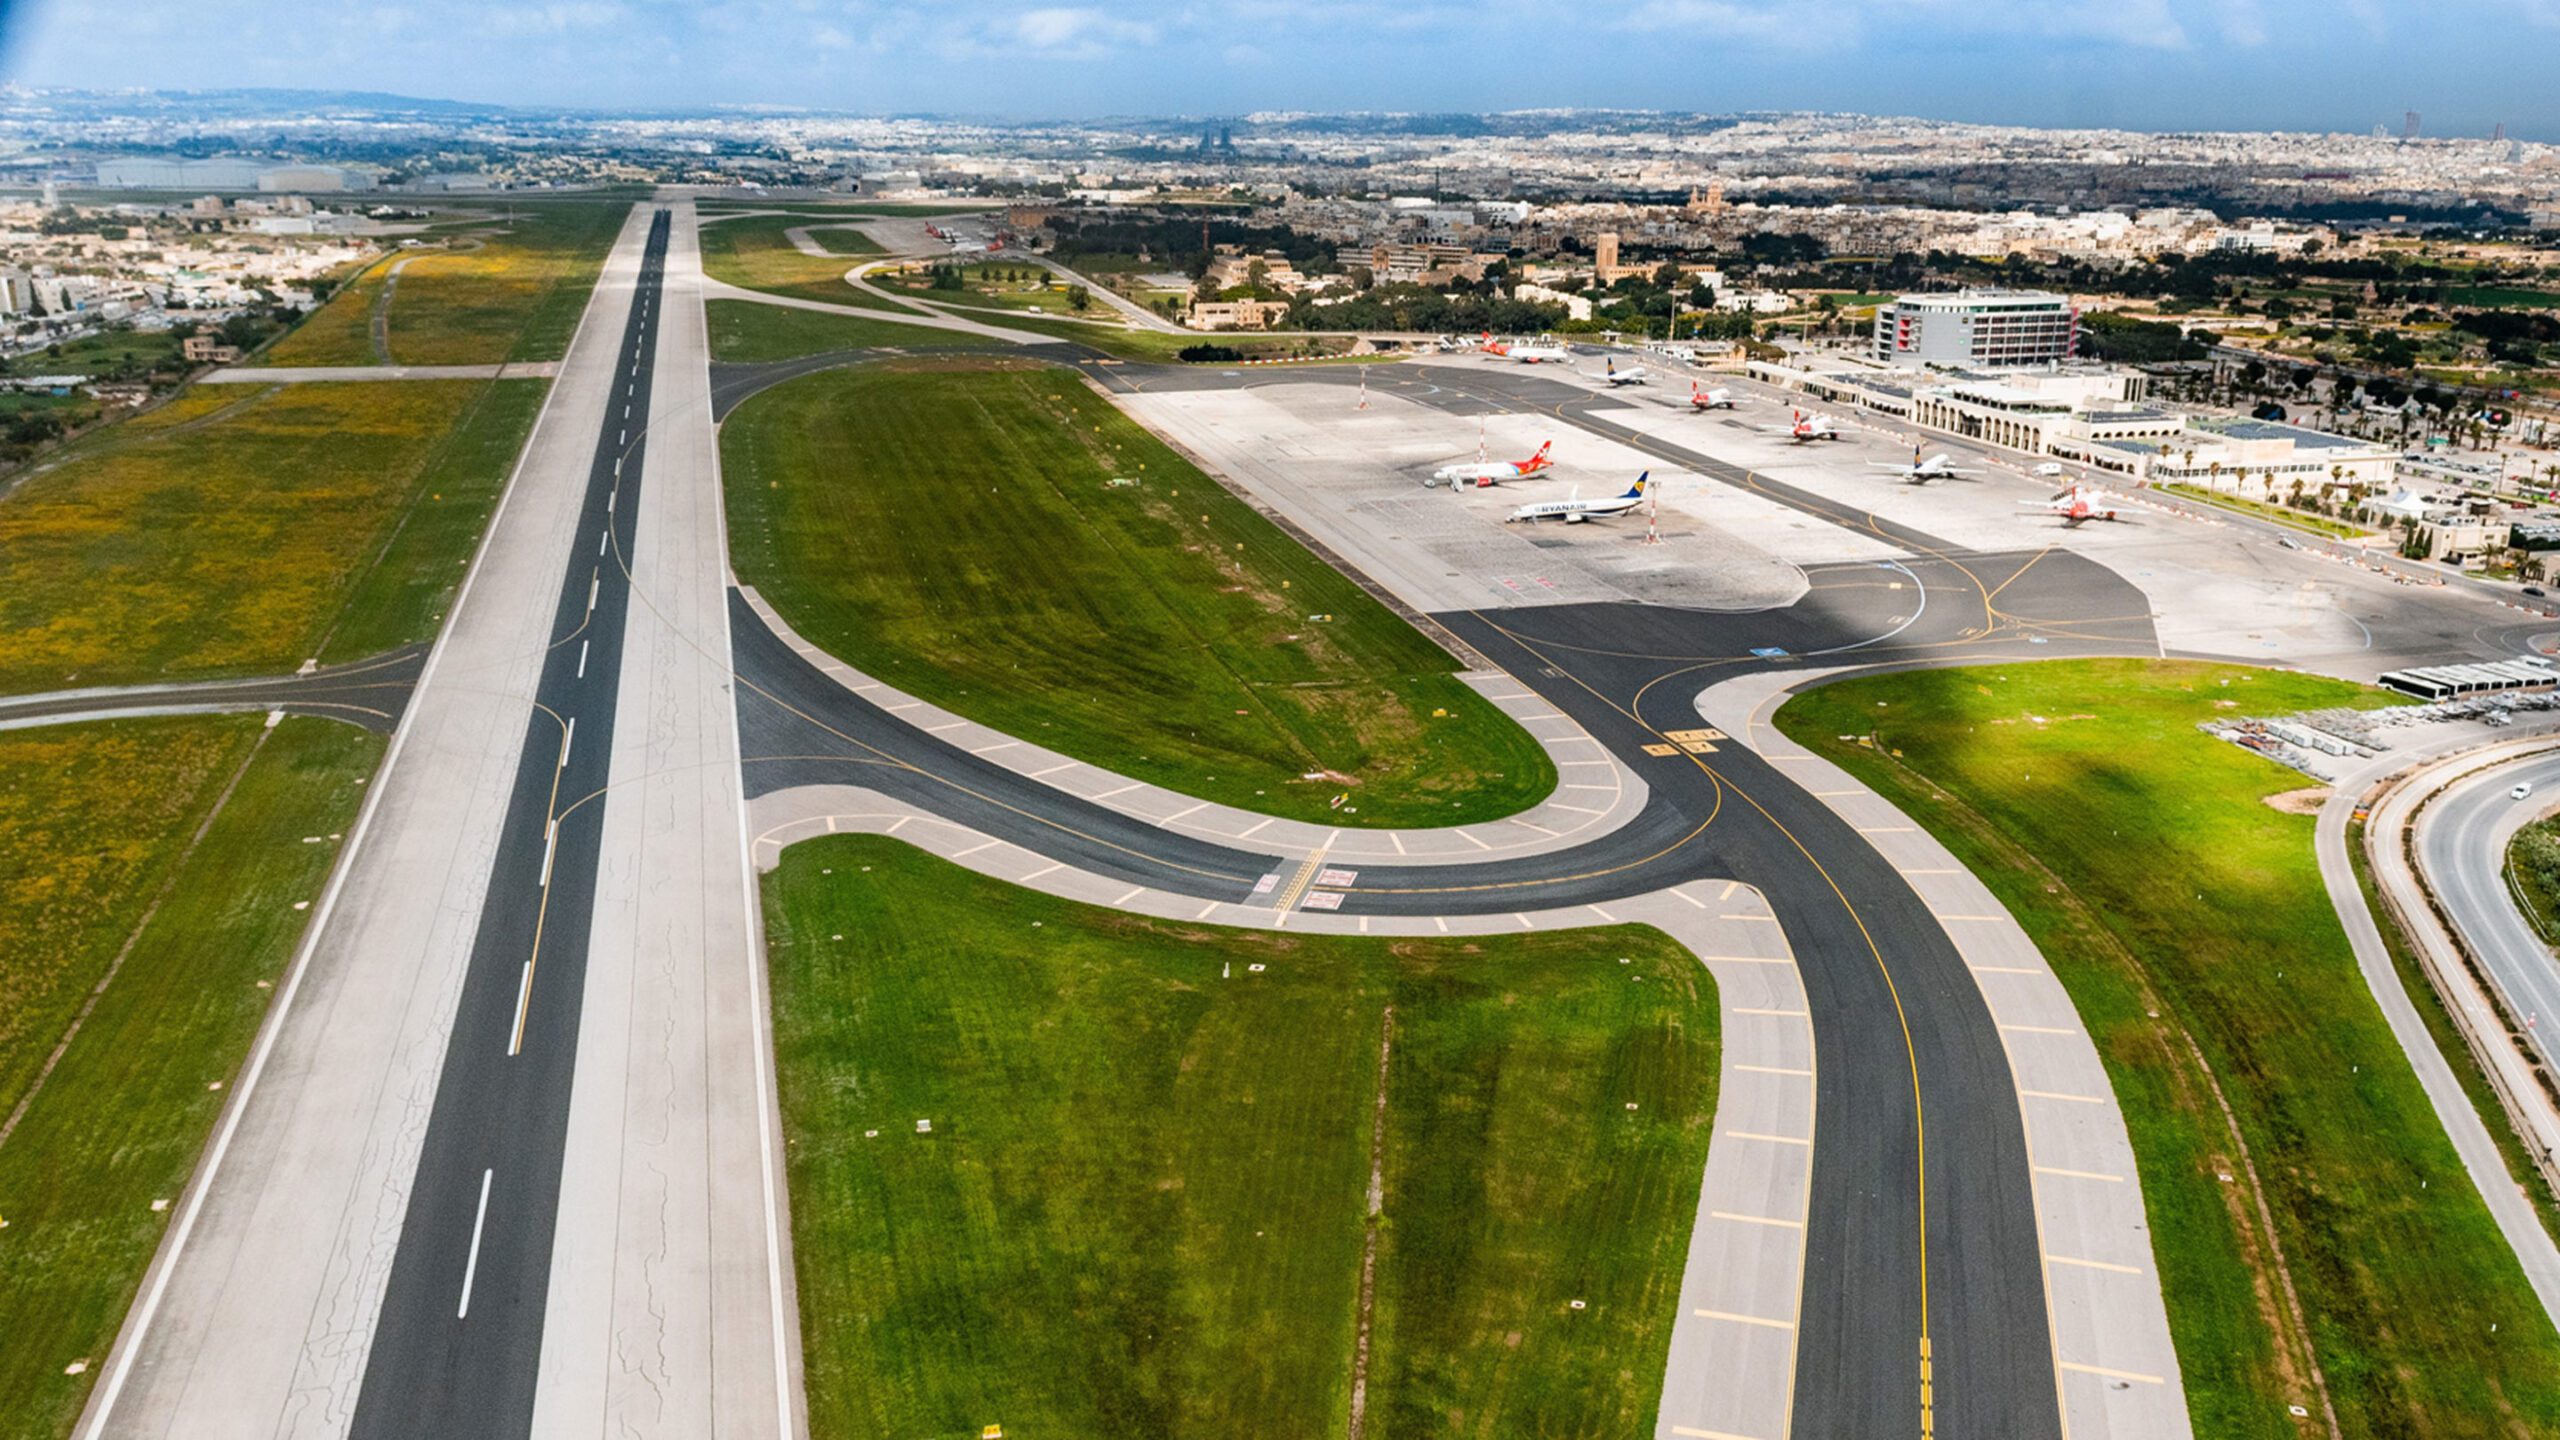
(2143, 64)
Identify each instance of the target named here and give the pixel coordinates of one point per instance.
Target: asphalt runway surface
(456, 1348)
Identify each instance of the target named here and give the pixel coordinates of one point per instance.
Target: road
(2465, 860)
(2462, 848)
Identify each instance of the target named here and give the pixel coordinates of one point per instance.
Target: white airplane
(1632, 375)
(1574, 510)
(1485, 473)
(1530, 353)
(1803, 428)
(1919, 471)
(1718, 398)
(2077, 506)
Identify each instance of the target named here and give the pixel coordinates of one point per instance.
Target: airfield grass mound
(225, 532)
(1142, 1207)
(746, 332)
(98, 826)
(753, 253)
(2188, 921)
(952, 527)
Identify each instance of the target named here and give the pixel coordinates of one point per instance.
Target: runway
(456, 1347)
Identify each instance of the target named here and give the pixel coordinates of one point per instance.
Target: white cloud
(521, 21)
(1074, 30)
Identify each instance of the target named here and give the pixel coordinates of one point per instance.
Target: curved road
(2462, 846)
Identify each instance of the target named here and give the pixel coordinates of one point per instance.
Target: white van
(2521, 791)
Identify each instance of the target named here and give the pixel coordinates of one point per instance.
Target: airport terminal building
(1977, 329)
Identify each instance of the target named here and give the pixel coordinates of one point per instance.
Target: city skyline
(2151, 65)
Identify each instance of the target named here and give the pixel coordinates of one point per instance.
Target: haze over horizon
(2250, 65)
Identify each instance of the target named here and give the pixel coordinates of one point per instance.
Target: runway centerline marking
(471, 1266)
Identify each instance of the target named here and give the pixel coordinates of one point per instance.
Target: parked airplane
(1632, 375)
(1484, 473)
(1533, 352)
(2077, 507)
(1919, 471)
(1574, 510)
(1717, 399)
(1804, 427)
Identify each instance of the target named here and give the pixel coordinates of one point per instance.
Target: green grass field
(98, 825)
(744, 331)
(949, 527)
(510, 287)
(224, 532)
(340, 332)
(401, 593)
(112, 352)
(2303, 520)
(2533, 875)
(2140, 855)
(2507, 296)
(1140, 1211)
(753, 254)
(996, 287)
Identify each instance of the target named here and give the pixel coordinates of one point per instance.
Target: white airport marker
(471, 1266)
(524, 1003)
(604, 537)
(594, 583)
(550, 842)
(571, 738)
(582, 658)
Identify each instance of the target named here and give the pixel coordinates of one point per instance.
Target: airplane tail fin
(1538, 461)
(1636, 491)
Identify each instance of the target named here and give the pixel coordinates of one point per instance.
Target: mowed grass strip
(952, 528)
(2140, 855)
(221, 533)
(754, 252)
(746, 332)
(1142, 1206)
(96, 821)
